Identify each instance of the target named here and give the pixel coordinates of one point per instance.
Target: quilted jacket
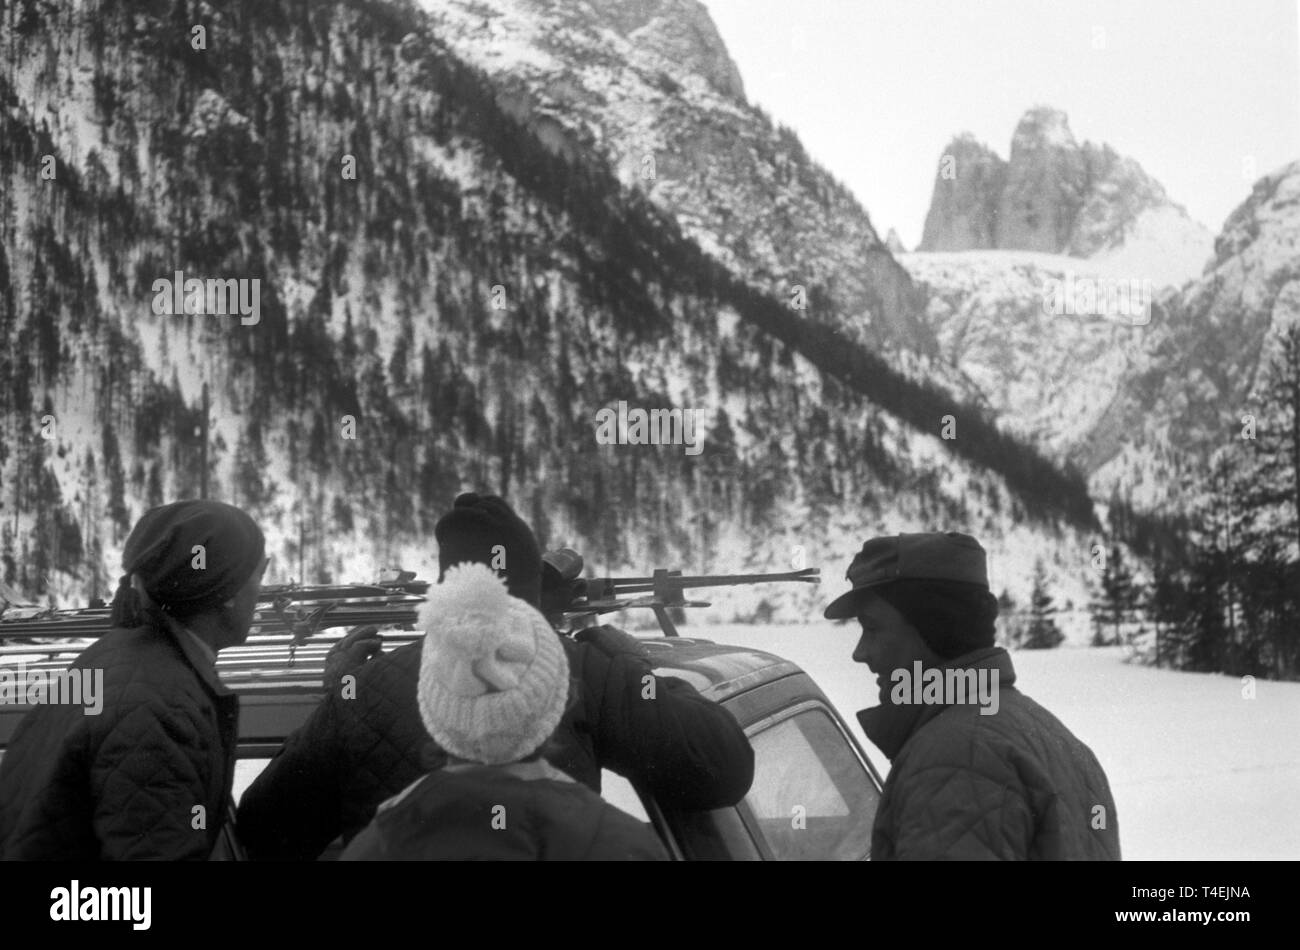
(148, 778)
(490, 813)
(1013, 785)
(353, 753)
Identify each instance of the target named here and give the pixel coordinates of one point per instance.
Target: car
(814, 794)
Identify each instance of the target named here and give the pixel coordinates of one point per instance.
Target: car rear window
(811, 797)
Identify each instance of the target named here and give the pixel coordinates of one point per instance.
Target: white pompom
(469, 595)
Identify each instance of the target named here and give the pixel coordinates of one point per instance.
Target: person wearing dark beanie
(149, 776)
(978, 769)
(367, 742)
(483, 529)
(187, 558)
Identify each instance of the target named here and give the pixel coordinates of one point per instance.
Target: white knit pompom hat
(494, 679)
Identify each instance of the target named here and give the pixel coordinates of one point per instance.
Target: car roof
(717, 670)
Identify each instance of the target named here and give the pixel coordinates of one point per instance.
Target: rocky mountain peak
(649, 88)
(1127, 404)
(1047, 183)
(1269, 201)
(967, 185)
(1043, 127)
(1056, 195)
(680, 32)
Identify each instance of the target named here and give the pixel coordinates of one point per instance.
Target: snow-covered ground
(1197, 770)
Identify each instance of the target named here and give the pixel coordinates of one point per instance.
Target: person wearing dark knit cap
(979, 771)
(494, 683)
(367, 743)
(150, 776)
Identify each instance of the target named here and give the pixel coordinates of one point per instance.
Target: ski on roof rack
(299, 612)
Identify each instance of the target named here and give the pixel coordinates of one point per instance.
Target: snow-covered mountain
(456, 274)
(1132, 396)
(1048, 376)
(649, 85)
(1046, 274)
(1054, 195)
(1207, 345)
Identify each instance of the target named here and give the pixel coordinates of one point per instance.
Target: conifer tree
(1277, 448)
(117, 510)
(1008, 618)
(1117, 598)
(1167, 605)
(1201, 640)
(1041, 633)
(1273, 495)
(250, 467)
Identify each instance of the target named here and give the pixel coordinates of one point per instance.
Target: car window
(811, 797)
(246, 770)
(619, 792)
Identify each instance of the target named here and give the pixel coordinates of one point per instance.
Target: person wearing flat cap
(149, 777)
(978, 770)
(364, 745)
(494, 683)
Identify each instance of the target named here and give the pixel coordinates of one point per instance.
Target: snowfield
(1197, 770)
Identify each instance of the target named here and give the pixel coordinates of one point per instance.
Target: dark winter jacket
(148, 778)
(356, 751)
(1014, 785)
(502, 813)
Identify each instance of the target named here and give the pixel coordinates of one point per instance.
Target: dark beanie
(952, 617)
(475, 526)
(178, 579)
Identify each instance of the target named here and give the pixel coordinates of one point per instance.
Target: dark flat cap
(940, 556)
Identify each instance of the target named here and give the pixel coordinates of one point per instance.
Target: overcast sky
(1192, 89)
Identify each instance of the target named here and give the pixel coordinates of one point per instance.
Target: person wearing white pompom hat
(494, 684)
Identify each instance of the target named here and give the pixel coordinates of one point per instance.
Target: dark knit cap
(475, 526)
(181, 581)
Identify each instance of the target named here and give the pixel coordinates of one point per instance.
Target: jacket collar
(196, 657)
(890, 725)
(526, 771)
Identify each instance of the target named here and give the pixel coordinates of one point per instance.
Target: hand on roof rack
(350, 654)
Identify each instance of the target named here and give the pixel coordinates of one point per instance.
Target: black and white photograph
(651, 430)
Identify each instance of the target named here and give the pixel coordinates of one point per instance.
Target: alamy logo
(945, 687)
(182, 295)
(74, 902)
(1100, 297)
(654, 427)
(71, 687)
